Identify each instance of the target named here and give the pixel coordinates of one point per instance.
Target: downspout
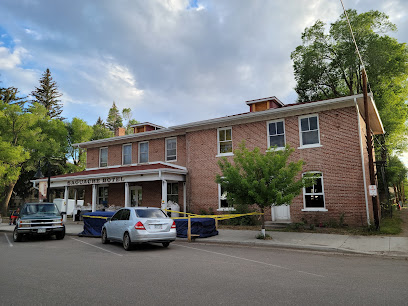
(362, 162)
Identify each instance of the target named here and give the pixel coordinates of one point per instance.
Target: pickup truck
(39, 219)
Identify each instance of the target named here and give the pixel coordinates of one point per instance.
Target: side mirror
(108, 219)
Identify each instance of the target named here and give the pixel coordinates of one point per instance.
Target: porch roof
(151, 171)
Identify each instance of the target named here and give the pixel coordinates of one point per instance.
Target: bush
(245, 220)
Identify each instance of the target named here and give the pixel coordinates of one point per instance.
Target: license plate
(157, 226)
(41, 230)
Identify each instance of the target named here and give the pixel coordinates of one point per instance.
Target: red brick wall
(92, 158)
(115, 155)
(339, 160)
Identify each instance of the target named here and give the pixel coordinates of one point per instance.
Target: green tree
(9, 96)
(47, 95)
(261, 179)
(114, 120)
(17, 127)
(397, 176)
(100, 131)
(78, 131)
(327, 66)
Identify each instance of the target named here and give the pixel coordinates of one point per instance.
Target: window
(172, 192)
(309, 131)
(127, 154)
(222, 201)
(144, 152)
(314, 195)
(171, 149)
(103, 195)
(276, 134)
(117, 216)
(224, 140)
(103, 157)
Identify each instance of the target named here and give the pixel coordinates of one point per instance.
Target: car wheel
(60, 235)
(105, 239)
(166, 244)
(127, 244)
(16, 236)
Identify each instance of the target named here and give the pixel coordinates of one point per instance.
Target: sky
(170, 61)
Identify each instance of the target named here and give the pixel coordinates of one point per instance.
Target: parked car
(135, 225)
(41, 219)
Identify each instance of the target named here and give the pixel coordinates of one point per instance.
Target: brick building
(179, 163)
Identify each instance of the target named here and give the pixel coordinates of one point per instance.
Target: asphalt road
(83, 271)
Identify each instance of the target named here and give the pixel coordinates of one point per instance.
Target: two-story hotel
(179, 163)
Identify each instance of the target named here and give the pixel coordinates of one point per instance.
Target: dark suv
(41, 219)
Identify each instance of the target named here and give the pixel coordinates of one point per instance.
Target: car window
(40, 209)
(117, 215)
(150, 213)
(125, 214)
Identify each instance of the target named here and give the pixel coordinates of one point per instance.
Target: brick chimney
(121, 131)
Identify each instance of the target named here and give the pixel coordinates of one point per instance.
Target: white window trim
(315, 145)
(138, 152)
(219, 202)
(123, 154)
(324, 198)
(100, 157)
(102, 186)
(268, 136)
(218, 142)
(165, 144)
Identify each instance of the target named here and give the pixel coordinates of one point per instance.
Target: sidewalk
(371, 245)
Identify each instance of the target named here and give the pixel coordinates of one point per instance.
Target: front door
(135, 196)
(280, 213)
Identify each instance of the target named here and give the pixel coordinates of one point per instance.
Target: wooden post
(370, 150)
(189, 229)
(216, 223)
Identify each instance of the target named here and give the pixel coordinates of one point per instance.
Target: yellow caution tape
(218, 217)
(95, 217)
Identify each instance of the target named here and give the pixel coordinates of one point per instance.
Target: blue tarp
(94, 221)
(204, 227)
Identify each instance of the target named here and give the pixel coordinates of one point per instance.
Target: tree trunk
(6, 200)
(396, 194)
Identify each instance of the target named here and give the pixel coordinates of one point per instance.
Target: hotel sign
(102, 180)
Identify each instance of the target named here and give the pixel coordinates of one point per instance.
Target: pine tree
(47, 94)
(114, 120)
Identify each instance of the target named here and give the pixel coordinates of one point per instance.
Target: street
(79, 270)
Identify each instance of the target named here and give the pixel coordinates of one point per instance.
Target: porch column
(66, 193)
(184, 198)
(127, 195)
(94, 194)
(164, 192)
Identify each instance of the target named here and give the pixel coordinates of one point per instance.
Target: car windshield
(40, 209)
(150, 213)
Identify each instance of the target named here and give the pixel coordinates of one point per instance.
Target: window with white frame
(276, 133)
(127, 154)
(309, 130)
(314, 195)
(103, 157)
(172, 192)
(222, 199)
(103, 195)
(171, 149)
(225, 140)
(144, 152)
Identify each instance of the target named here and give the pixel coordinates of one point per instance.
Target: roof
(122, 170)
(284, 111)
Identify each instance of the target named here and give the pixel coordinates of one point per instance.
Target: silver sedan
(135, 225)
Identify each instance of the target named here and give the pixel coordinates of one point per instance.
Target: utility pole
(370, 150)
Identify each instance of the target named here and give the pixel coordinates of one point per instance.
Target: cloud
(170, 61)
